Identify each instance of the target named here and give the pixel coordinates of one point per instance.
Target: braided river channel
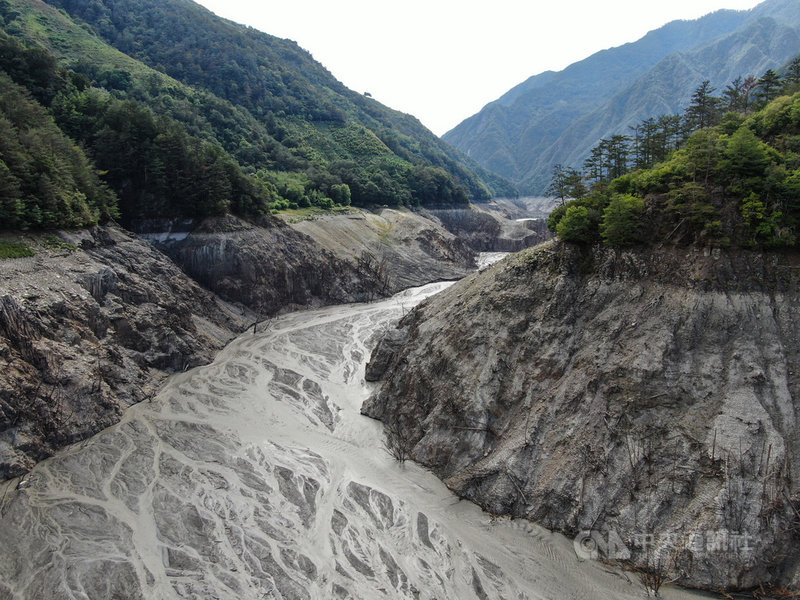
(256, 477)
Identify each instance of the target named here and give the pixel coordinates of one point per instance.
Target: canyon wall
(646, 397)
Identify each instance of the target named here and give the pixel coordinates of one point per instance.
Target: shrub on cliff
(620, 223)
(577, 225)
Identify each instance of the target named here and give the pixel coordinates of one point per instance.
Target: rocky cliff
(400, 248)
(644, 399)
(328, 259)
(88, 326)
(488, 228)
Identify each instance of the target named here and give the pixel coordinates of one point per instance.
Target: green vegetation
(14, 250)
(576, 225)
(54, 243)
(46, 181)
(735, 182)
(620, 223)
(653, 140)
(178, 113)
(312, 213)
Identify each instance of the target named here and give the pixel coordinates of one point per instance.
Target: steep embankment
(326, 259)
(398, 248)
(89, 326)
(633, 393)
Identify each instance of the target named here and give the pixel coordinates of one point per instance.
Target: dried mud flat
(256, 477)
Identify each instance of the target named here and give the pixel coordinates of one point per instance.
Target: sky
(443, 60)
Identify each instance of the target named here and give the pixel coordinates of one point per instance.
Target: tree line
(654, 139)
(725, 172)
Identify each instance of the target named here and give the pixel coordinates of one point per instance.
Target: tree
(703, 110)
(617, 151)
(746, 159)
(644, 143)
(792, 75)
(619, 225)
(609, 159)
(567, 183)
(769, 86)
(10, 197)
(594, 165)
(734, 95)
(576, 225)
(340, 194)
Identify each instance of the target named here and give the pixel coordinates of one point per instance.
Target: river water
(256, 477)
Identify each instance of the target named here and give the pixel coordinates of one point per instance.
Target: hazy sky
(443, 60)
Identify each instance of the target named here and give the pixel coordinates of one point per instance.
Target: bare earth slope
(88, 331)
(633, 393)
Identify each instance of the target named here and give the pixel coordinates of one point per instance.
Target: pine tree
(567, 183)
(769, 86)
(792, 75)
(734, 95)
(703, 110)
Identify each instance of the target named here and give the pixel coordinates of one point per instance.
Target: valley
(263, 336)
(257, 477)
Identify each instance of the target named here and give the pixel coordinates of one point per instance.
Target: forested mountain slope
(556, 118)
(278, 82)
(294, 137)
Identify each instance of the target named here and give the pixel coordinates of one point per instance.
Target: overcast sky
(443, 60)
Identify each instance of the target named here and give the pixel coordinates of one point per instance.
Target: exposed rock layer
(643, 393)
(328, 260)
(403, 248)
(486, 229)
(87, 331)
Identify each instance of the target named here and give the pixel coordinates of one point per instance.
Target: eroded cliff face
(648, 397)
(402, 248)
(490, 228)
(88, 329)
(327, 261)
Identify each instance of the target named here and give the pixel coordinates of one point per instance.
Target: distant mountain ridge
(557, 117)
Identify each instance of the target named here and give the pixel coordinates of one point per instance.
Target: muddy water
(256, 477)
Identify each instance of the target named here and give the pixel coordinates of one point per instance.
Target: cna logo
(594, 544)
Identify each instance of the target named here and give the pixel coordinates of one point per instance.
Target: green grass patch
(15, 250)
(52, 242)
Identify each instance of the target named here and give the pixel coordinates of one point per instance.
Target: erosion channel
(256, 477)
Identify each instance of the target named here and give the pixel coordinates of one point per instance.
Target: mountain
(556, 118)
(279, 83)
(256, 115)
